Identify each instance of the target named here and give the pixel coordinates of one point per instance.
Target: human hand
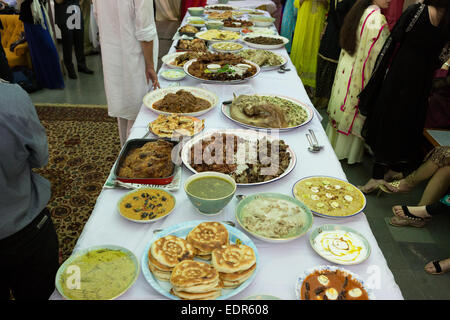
(150, 75)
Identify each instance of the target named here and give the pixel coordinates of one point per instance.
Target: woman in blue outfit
(288, 23)
(44, 55)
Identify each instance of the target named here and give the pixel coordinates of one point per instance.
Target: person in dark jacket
(69, 19)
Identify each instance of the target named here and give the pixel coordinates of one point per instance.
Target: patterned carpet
(83, 145)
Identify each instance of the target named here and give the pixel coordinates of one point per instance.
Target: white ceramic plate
(307, 216)
(214, 45)
(181, 230)
(188, 64)
(168, 59)
(245, 134)
(325, 215)
(156, 95)
(200, 35)
(336, 249)
(266, 46)
(308, 109)
(69, 262)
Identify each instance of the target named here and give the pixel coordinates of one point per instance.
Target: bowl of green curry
(210, 192)
(97, 273)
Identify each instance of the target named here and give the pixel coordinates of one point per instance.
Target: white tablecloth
(280, 264)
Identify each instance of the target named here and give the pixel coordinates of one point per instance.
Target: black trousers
(29, 260)
(437, 208)
(73, 39)
(5, 70)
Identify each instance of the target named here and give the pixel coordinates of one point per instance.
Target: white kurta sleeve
(145, 21)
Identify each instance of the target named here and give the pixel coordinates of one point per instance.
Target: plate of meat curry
(187, 101)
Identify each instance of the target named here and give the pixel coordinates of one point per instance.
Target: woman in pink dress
(394, 12)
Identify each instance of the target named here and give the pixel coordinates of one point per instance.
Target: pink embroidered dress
(353, 72)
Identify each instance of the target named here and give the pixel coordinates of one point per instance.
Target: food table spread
(279, 265)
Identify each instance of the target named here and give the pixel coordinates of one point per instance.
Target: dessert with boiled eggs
(332, 285)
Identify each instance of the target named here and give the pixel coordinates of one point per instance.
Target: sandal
(407, 220)
(395, 185)
(436, 266)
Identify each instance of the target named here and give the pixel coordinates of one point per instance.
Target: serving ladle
(314, 144)
(283, 69)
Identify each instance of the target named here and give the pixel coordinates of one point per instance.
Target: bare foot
(438, 266)
(419, 212)
(371, 185)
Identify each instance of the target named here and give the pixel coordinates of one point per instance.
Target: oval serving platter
(246, 134)
(156, 95)
(188, 64)
(336, 249)
(181, 230)
(265, 46)
(226, 112)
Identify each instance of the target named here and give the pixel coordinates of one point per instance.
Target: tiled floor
(406, 250)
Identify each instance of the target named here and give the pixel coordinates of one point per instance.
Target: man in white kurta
(129, 48)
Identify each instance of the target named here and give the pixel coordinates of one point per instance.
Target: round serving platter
(181, 230)
(200, 35)
(307, 216)
(242, 133)
(168, 59)
(188, 64)
(336, 249)
(156, 95)
(325, 215)
(66, 268)
(142, 220)
(308, 109)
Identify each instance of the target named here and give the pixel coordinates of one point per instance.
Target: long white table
(280, 264)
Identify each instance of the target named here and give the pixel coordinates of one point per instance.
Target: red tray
(137, 143)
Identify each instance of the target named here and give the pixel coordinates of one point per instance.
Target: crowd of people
(379, 67)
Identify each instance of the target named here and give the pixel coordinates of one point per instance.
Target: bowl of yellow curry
(146, 205)
(97, 273)
(210, 192)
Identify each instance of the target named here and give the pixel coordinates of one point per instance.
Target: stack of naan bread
(195, 280)
(206, 237)
(235, 263)
(165, 253)
(171, 259)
